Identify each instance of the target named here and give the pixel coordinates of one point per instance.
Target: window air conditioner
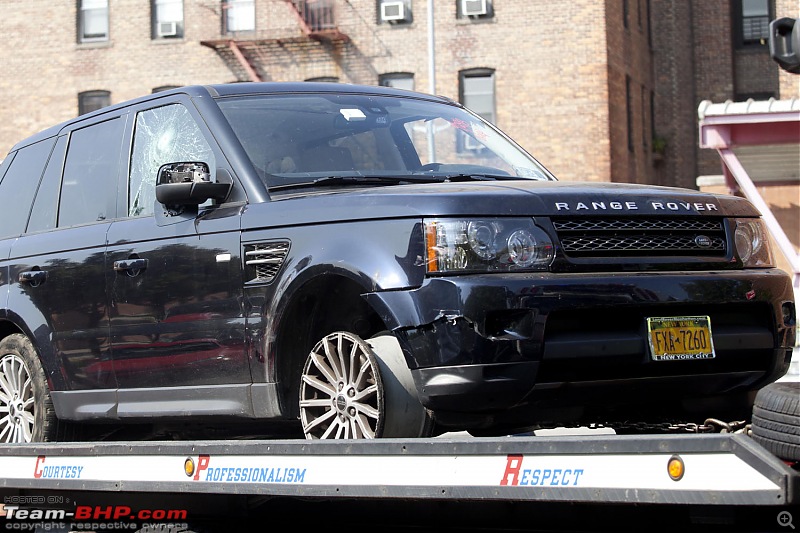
(473, 8)
(167, 29)
(393, 11)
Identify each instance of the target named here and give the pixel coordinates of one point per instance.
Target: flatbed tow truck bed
(487, 482)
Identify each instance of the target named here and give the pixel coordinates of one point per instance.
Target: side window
(92, 20)
(89, 187)
(45, 206)
(19, 186)
(162, 135)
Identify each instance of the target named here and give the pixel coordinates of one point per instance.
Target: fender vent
(263, 260)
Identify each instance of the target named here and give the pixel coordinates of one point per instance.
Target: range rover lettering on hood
(634, 206)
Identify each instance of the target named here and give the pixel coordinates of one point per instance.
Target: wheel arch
(327, 300)
(40, 337)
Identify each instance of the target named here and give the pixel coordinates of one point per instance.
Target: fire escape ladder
(243, 61)
(317, 19)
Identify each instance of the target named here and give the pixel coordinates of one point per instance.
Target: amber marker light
(188, 467)
(432, 258)
(676, 468)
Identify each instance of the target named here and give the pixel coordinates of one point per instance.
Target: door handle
(132, 267)
(34, 278)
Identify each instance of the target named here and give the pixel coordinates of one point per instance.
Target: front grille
(263, 260)
(640, 237)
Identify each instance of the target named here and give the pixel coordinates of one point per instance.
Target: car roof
(238, 89)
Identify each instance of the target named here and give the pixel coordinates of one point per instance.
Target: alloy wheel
(16, 400)
(341, 394)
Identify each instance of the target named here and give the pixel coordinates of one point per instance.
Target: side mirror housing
(188, 183)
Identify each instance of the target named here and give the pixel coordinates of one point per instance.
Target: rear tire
(26, 408)
(356, 389)
(776, 420)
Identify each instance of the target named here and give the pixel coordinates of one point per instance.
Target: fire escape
(317, 20)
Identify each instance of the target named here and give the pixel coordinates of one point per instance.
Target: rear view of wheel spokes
(340, 391)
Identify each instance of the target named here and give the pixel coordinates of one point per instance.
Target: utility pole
(431, 51)
(431, 78)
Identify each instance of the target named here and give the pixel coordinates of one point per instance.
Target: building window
(752, 18)
(394, 11)
(756, 96)
(629, 111)
(626, 13)
(639, 11)
(475, 9)
(92, 20)
(167, 18)
(92, 100)
(643, 106)
(398, 80)
(476, 92)
(320, 15)
(239, 15)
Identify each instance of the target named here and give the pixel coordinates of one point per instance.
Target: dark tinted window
(19, 185)
(45, 207)
(88, 191)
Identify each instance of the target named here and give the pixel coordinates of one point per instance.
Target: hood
(497, 198)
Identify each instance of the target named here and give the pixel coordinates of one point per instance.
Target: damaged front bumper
(491, 342)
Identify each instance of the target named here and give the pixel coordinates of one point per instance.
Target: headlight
(752, 243)
(486, 245)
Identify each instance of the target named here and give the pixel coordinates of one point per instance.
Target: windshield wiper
(359, 180)
(476, 177)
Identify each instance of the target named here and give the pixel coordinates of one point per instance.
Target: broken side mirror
(188, 183)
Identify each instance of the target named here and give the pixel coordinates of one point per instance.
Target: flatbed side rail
(717, 469)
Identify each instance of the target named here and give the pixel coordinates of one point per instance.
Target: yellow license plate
(680, 338)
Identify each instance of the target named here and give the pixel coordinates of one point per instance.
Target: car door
(57, 267)
(175, 282)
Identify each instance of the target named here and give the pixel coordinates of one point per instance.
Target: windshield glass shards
(317, 140)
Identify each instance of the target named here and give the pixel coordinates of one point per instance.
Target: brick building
(596, 90)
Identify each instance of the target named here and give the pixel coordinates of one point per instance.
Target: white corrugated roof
(748, 107)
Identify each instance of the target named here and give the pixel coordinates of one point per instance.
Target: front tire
(26, 408)
(356, 389)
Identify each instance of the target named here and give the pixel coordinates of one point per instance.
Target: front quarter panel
(376, 255)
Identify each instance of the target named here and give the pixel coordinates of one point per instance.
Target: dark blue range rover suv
(340, 261)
